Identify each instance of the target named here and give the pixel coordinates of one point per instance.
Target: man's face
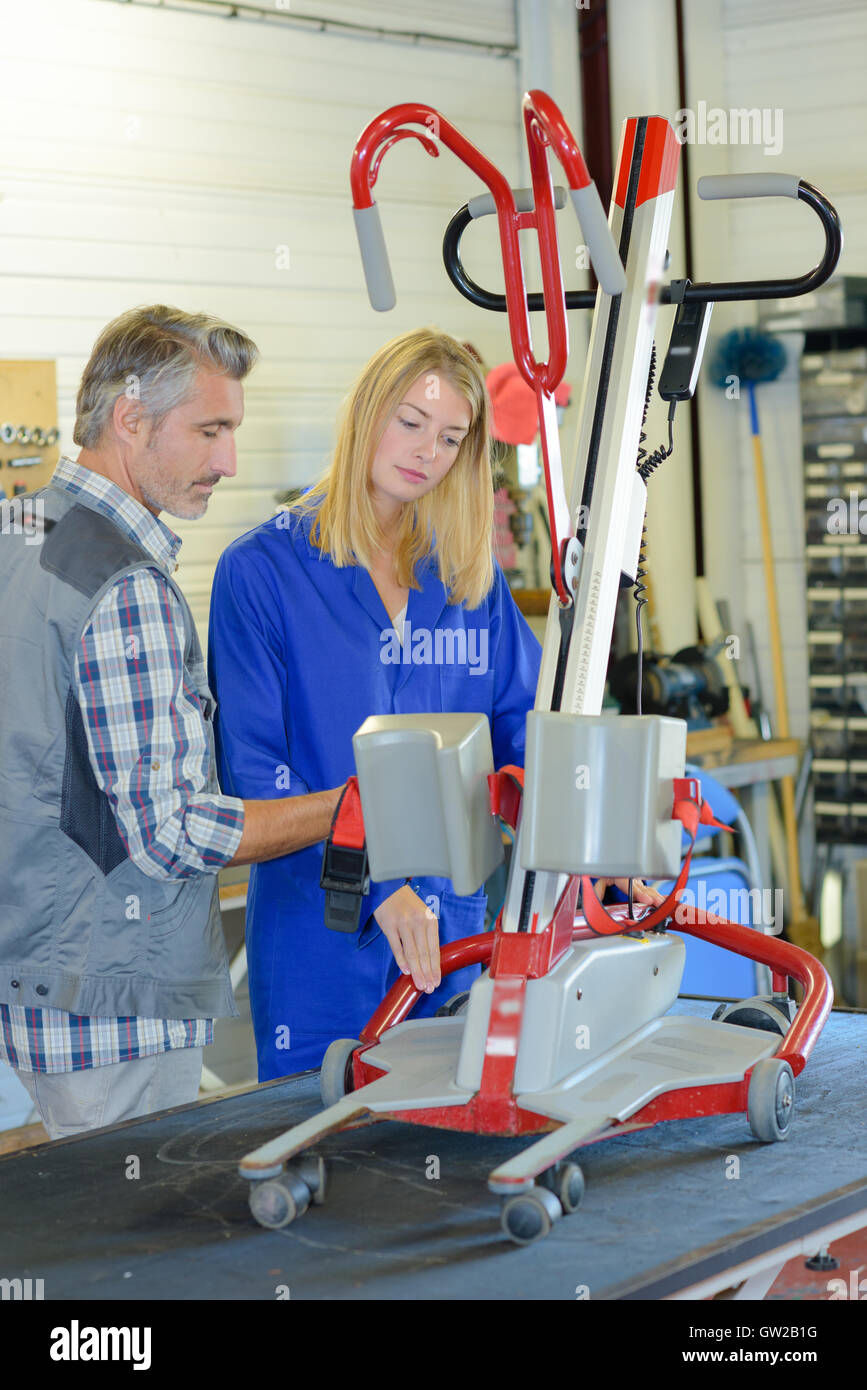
(177, 465)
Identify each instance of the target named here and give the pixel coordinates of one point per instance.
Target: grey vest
(81, 927)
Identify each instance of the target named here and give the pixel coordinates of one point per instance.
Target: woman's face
(420, 442)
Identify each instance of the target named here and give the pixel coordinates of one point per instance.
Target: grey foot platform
(661, 1214)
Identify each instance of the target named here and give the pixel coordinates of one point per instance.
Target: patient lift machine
(566, 1036)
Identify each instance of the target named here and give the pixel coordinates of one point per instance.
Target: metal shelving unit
(834, 423)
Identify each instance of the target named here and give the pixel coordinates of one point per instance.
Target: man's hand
(640, 891)
(412, 932)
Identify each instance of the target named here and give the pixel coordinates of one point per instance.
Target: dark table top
(659, 1211)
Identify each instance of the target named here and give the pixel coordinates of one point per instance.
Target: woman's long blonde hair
(453, 522)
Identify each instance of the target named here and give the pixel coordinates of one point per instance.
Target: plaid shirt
(149, 754)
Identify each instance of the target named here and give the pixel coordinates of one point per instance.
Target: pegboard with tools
(29, 437)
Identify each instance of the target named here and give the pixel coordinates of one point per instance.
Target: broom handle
(742, 725)
(782, 709)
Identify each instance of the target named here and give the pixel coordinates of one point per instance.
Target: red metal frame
(785, 960)
(545, 128)
(515, 957)
(365, 167)
(659, 163)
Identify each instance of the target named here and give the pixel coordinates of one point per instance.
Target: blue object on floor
(721, 886)
(730, 888)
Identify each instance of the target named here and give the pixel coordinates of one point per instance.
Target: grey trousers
(70, 1102)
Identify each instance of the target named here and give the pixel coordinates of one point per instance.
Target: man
(112, 824)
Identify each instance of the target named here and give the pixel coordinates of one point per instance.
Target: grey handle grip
(374, 258)
(749, 186)
(604, 256)
(483, 204)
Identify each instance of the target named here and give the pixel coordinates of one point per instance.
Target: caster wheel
(755, 1013)
(771, 1099)
(530, 1215)
(310, 1168)
(279, 1201)
(335, 1078)
(566, 1181)
(456, 1005)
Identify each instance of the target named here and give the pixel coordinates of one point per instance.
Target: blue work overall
(301, 652)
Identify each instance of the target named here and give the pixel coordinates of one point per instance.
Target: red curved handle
(544, 125)
(782, 957)
(470, 950)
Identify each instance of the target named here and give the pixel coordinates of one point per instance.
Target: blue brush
(750, 356)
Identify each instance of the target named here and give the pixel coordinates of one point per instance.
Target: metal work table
(660, 1219)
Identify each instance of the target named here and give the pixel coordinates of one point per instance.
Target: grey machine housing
(423, 780)
(597, 795)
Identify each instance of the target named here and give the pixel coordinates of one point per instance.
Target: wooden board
(28, 397)
(717, 739)
(533, 603)
(742, 750)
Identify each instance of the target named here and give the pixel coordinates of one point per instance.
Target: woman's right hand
(412, 932)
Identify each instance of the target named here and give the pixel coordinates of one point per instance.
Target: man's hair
(152, 355)
(454, 522)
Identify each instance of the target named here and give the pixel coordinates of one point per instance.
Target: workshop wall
(200, 161)
(786, 57)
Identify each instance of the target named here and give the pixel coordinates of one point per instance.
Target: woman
(376, 593)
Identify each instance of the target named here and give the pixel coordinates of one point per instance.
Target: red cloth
(515, 420)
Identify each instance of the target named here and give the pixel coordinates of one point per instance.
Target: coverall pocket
(461, 917)
(369, 932)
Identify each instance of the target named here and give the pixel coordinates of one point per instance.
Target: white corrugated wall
(804, 64)
(151, 154)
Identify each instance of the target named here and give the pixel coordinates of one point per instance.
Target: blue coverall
(301, 652)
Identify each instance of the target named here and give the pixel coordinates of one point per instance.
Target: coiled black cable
(646, 464)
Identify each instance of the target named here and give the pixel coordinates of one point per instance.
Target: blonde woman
(377, 593)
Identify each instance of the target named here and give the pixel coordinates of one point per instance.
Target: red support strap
(347, 826)
(505, 789)
(691, 811)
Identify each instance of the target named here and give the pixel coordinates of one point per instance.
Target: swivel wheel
(566, 1181)
(764, 1014)
(458, 1004)
(310, 1168)
(278, 1202)
(529, 1216)
(335, 1078)
(771, 1099)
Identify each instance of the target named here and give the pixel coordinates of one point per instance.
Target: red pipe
(783, 958)
(360, 176)
(544, 126)
(470, 950)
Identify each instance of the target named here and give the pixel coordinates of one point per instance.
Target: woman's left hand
(641, 893)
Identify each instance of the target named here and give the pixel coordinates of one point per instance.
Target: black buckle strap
(345, 873)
